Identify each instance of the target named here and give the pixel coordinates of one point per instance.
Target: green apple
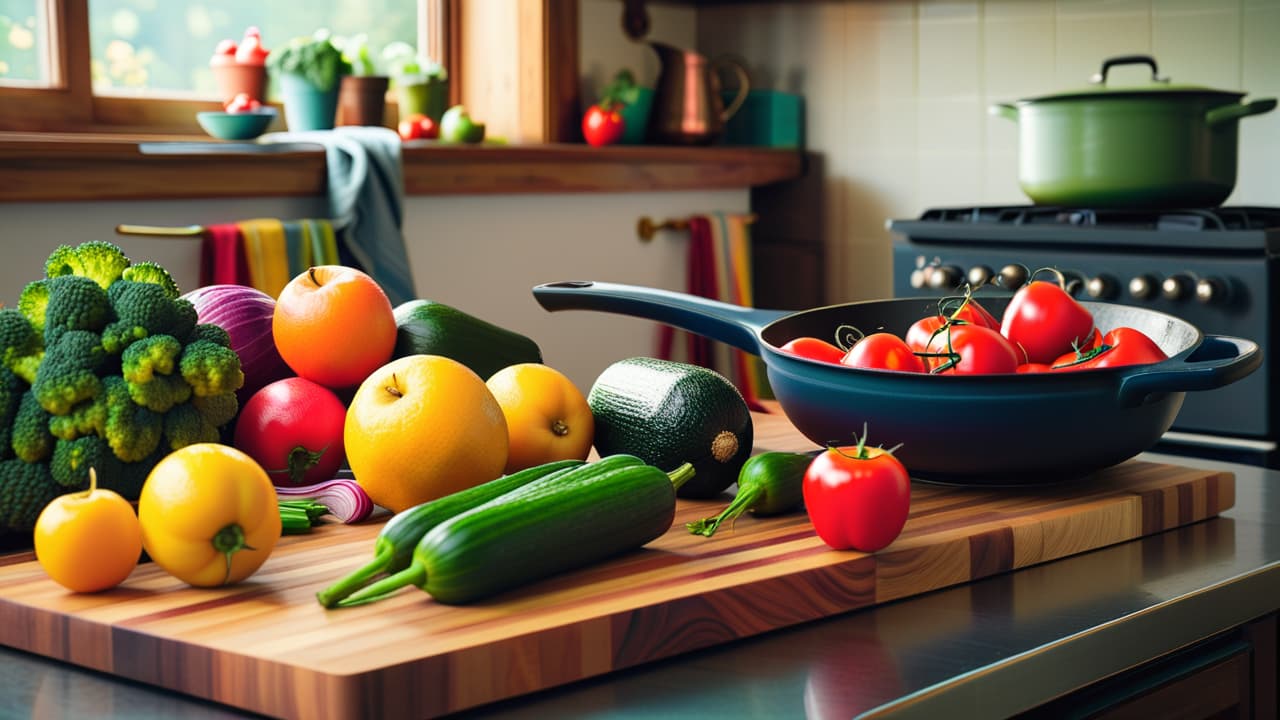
(456, 126)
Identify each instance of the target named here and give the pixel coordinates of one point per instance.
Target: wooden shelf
(45, 167)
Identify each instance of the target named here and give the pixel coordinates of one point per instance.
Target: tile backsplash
(897, 94)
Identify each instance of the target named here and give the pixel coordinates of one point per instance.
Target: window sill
(49, 167)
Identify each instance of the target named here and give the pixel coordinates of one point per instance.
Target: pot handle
(1100, 78)
(1220, 360)
(1004, 110)
(1228, 113)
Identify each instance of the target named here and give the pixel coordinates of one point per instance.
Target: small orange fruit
(334, 325)
(88, 541)
(548, 417)
(422, 427)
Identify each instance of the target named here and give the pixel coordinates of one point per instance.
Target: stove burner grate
(1181, 220)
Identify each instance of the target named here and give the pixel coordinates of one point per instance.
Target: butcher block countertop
(962, 617)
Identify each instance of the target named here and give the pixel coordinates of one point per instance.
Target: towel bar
(646, 228)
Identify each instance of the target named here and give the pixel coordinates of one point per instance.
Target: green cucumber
(667, 413)
(770, 483)
(393, 548)
(549, 526)
(426, 327)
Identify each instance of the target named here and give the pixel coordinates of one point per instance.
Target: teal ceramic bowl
(236, 126)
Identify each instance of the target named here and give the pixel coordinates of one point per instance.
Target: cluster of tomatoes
(1043, 329)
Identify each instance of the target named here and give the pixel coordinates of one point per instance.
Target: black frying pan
(965, 429)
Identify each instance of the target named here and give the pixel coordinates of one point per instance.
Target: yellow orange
(422, 427)
(548, 417)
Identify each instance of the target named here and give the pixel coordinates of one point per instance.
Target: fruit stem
(357, 579)
(394, 387)
(742, 502)
(412, 575)
(311, 273)
(559, 429)
(228, 541)
(681, 475)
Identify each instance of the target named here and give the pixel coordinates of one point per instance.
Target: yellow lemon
(548, 417)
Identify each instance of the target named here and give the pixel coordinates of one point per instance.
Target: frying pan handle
(733, 324)
(1220, 360)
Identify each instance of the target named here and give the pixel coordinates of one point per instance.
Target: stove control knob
(1142, 287)
(944, 277)
(1210, 291)
(1013, 277)
(1100, 287)
(918, 278)
(980, 275)
(1176, 287)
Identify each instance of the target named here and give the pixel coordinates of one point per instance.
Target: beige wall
(897, 93)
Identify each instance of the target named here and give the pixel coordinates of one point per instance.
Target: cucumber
(393, 548)
(770, 483)
(550, 526)
(426, 327)
(667, 413)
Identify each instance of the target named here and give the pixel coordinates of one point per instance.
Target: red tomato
(1045, 321)
(883, 351)
(1034, 368)
(814, 349)
(601, 126)
(242, 102)
(417, 126)
(1122, 346)
(921, 332)
(293, 428)
(858, 497)
(974, 314)
(982, 351)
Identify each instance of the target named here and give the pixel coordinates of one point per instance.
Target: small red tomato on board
(293, 429)
(1045, 321)
(814, 349)
(602, 126)
(883, 351)
(417, 126)
(1122, 346)
(973, 350)
(858, 498)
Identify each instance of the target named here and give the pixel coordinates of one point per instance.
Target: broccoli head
(67, 375)
(11, 389)
(99, 261)
(18, 338)
(73, 458)
(132, 431)
(144, 309)
(211, 369)
(149, 272)
(218, 410)
(185, 425)
(25, 489)
(30, 437)
(213, 333)
(75, 303)
(33, 302)
(148, 368)
(86, 418)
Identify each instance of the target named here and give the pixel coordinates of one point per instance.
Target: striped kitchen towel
(222, 259)
(266, 251)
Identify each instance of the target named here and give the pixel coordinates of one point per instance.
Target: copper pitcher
(687, 107)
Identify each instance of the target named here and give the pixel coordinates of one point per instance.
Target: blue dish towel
(366, 199)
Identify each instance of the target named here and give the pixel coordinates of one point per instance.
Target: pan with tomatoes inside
(993, 428)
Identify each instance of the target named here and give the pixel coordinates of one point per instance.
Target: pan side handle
(733, 324)
(1220, 360)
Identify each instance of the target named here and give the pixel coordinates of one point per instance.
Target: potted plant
(421, 86)
(362, 95)
(308, 69)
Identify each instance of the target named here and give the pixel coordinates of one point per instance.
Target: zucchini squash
(552, 525)
(770, 483)
(426, 327)
(667, 413)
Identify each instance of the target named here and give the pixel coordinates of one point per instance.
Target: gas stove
(1216, 268)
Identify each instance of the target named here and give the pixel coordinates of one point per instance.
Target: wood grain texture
(267, 646)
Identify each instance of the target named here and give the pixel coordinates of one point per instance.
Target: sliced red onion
(343, 496)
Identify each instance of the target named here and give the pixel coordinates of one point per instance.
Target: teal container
(635, 117)
(305, 106)
(767, 118)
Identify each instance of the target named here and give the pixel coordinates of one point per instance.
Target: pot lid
(1157, 85)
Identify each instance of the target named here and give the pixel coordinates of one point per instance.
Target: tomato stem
(1086, 356)
(229, 541)
(847, 336)
(1062, 279)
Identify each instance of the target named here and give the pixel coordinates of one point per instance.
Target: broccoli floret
(210, 332)
(148, 367)
(149, 272)
(211, 369)
(132, 431)
(67, 375)
(25, 489)
(161, 392)
(11, 389)
(18, 339)
(185, 425)
(144, 309)
(218, 410)
(99, 261)
(73, 458)
(34, 302)
(86, 418)
(75, 303)
(31, 440)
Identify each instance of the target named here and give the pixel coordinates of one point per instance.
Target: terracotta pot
(362, 100)
(235, 78)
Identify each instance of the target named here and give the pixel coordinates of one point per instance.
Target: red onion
(245, 313)
(343, 496)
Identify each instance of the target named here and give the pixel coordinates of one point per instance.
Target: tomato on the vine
(1121, 346)
(858, 498)
(883, 351)
(1046, 321)
(973, 350)
(814, 349)
(294, 429)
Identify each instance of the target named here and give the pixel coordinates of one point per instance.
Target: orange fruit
(548, 417)
(88, 541)
(422, 427)
(334, 325)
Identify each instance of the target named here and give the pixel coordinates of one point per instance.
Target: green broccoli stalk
(25, 489)
(67, 375)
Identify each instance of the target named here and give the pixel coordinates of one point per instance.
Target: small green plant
(356, 53)
(406, 66)
(315, 58)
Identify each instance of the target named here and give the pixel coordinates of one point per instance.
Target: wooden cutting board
(267, 646)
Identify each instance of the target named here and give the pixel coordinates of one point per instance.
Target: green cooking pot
(1149, 145)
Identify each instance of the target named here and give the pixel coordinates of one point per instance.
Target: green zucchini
(667, 413)
(770, 483)
(393, 548)
(426, 327)
(549, 526)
